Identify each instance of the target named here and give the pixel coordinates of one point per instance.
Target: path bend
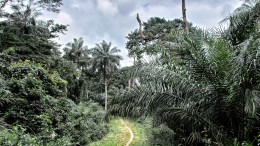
(130, 131)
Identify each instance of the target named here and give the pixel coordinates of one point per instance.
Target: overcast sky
(112, 20)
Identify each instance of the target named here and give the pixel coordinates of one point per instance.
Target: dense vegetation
(46, 97)
(199, 87)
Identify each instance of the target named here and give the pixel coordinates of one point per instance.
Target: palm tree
(105, 60)
(209, 81)
(77, 52)
(23, 17)
(243, 22)
(215, 88)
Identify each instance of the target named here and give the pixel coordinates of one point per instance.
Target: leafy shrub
(34, 86)
(161, 136)
(87, 123)
(68, 71)
(66, 124)
(17, 136)
(44, 112)
(26, 76)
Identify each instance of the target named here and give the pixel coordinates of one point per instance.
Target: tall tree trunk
(105, 81)
(105, 95)
(130, 80)
(186, 25)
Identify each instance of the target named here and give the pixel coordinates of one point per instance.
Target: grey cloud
(94, 25)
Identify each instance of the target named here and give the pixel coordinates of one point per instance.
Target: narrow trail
(130, 131)
(124, 132)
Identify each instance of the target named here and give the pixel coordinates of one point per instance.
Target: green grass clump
(140, 132)
(117, 136)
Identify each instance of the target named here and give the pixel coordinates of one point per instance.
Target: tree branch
(144, 37)
(4, 4)
(140, 27)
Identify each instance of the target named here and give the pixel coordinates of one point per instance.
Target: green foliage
(26, 38)
(258, 139)
(50, 5)
(38, 85)
(76, 52)
(60, 120)
(141, 128)
(18, 136)
(161, 135)
(203, 88)
(4, 92)
(69, 72)
(88, 123)
(119, 133)
(243, 22)
(46, 110)
(27, 77)
(33, 88)
(105, 59)
(157, 29)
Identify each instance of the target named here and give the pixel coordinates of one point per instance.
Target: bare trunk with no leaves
(105, 95)
(186, 25)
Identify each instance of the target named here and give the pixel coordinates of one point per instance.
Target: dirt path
(124, 132)
(130, 131)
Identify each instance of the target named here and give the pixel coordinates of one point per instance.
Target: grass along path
(139, 131)
(124, 132)
(130, 131)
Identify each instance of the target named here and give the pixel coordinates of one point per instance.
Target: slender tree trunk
(105, 81)
(105, 95)
(130, 80)
(186, 25)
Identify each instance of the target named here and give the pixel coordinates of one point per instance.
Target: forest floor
(124, 132)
